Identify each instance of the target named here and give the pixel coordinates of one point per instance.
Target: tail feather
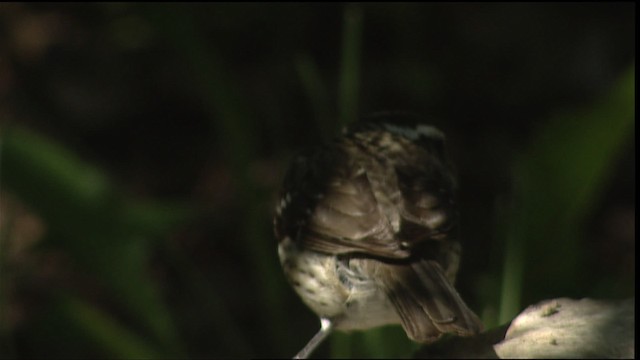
(426, 302)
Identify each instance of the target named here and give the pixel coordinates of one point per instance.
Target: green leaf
(350, 66)
(557, 180)
(88, 218)
(104, 331)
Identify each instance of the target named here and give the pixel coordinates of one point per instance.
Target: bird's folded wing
(348, 219)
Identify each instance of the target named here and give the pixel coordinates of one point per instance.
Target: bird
(367, 230)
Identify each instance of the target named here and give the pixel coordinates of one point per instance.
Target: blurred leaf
(105, 332)
(388, 342)
(316, 91)
(342, 345)
(349, 86)
(203, 295)
(557, 181)
(156, 218)
(86, 217)
(237, 141)
(47, 175)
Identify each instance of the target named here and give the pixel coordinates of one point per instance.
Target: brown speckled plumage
(367, 229)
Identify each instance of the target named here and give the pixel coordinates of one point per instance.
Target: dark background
(143, 145)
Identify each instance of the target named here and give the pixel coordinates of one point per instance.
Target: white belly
(335, 291)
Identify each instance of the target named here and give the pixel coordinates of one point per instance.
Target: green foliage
(237, 141)
(350, 66)
(97, 327)
(316, 91)
(102, 232)
(558, 180)
(130, 289)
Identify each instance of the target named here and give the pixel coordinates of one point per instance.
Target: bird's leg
(325, 329)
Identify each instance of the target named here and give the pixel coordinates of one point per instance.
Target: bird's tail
(426, 302)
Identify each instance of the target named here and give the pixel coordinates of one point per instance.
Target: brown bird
(367, 231)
